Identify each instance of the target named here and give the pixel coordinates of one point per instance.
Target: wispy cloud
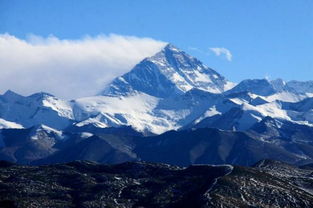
(222, 51)
(69, 68)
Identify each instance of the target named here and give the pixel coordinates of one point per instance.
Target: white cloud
(69, 68)
(222, 51)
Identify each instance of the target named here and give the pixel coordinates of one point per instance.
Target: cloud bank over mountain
(69, 68)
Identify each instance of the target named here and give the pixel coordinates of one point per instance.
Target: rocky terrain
(87, 184)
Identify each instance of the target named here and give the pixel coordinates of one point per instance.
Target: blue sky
(271, 38)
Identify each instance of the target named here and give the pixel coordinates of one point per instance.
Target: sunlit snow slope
(170, 90)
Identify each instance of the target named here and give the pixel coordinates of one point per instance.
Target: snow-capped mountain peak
(36, 109)
(169, 72)
(168, 91)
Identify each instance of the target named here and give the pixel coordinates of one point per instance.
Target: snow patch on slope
(9, 125)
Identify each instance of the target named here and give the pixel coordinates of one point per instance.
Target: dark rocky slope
(86, 184)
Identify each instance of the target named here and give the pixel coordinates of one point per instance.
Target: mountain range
(161, 136)
(169, 108)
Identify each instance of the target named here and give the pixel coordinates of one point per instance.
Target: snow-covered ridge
(36, 109)
(170, 90)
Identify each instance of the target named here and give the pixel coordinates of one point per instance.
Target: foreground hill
(86, 184)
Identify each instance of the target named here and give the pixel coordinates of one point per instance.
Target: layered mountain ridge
(270, 138)
(170, 90)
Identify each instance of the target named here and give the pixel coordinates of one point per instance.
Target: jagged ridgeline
(169, 108)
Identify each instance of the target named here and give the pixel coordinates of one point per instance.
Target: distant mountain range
(284, 141)
(169, 108)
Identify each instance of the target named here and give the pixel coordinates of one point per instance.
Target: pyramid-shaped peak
(170, 71)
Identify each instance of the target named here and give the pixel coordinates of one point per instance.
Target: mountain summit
(168, 91)
(170, 71)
